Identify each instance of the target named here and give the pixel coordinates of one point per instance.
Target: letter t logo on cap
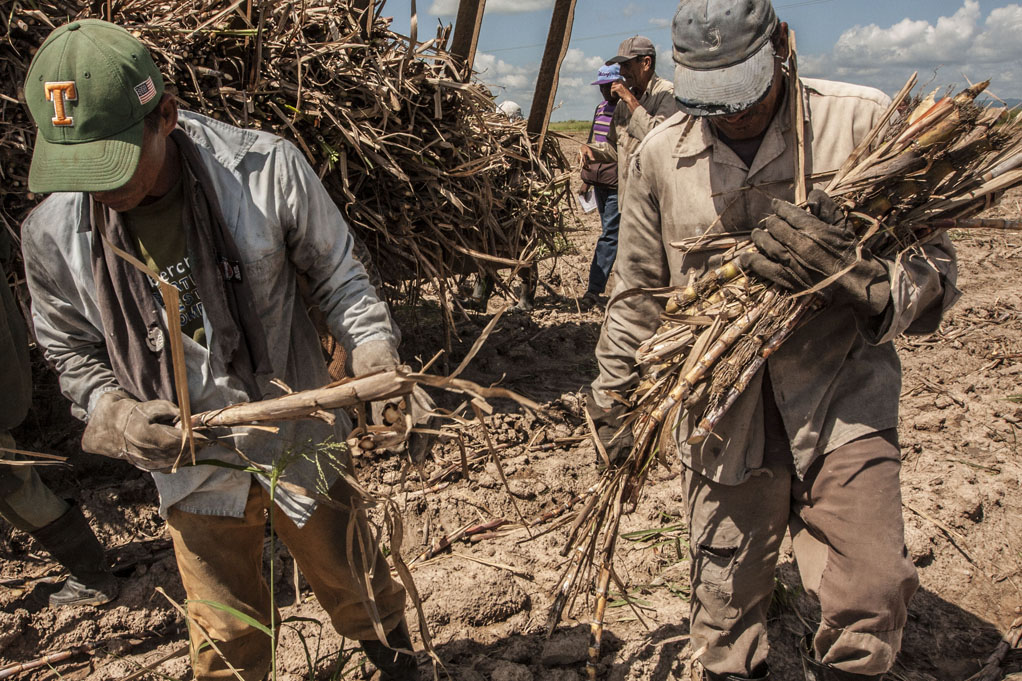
(59, 92)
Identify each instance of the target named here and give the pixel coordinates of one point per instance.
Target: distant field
(570, 126)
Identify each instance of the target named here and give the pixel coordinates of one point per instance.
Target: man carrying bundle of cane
(231, 218)
(811, 445)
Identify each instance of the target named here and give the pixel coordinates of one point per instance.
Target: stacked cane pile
(925, 168)
(430, 177)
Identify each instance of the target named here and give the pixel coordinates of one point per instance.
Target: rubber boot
(481, 291)
(71, 542)
(526, 290)
(818, 671)
(763, 675)
(393, 666)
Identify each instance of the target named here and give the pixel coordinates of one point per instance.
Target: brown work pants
(220, 560)
(845, 520)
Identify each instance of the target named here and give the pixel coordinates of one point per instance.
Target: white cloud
(517, 82)
(576, 60)
(963, 43)
(450, 7)
(660, 22)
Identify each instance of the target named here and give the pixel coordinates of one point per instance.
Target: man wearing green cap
(231, 218)
(810, 448)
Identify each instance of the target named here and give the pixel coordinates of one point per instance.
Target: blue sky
(873, 42)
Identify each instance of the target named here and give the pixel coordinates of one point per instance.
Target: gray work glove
(381, 355)
(608, 422)
(799, 249)
(142, 433)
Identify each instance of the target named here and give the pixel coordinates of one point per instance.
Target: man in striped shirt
(602, 177)
(646, 99)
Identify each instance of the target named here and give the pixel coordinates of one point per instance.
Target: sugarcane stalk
(715, 277)
(1010, 163)
(603, 585)
(14, 669)
(713, 417)
(999, 224)
(309, 403)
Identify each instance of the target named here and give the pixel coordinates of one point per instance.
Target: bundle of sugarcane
(923, 169)
(432, 179)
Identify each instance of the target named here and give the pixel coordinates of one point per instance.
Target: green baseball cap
(89, 87)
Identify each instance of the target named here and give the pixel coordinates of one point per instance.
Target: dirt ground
(486, 599)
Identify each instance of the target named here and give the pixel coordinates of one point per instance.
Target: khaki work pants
(220, 560)
(845, 520)
(25, 501)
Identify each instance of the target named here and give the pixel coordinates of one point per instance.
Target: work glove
(381, 355)
(608, 422)
(798, 249)
(141, 433)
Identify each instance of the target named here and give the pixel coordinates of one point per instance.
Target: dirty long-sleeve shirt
(285, 225)
(628, 128)
(834, 380)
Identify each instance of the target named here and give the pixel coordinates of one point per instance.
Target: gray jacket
(285, 225)
(833, 381)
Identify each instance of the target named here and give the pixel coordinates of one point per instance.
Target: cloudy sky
(873, 42)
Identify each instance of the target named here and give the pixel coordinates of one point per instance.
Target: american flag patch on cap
(145, 90)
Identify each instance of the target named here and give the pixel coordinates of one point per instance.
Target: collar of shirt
(699, 135)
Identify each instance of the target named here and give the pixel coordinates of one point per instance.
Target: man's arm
(641, 263)
(320, 246)
(661, 105)
(70, 339)
(922, 286)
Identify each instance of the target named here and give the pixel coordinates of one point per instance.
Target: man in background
(646, 99)
(602, 177)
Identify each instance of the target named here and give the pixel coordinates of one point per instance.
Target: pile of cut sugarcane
(431, 178)
(926, 167)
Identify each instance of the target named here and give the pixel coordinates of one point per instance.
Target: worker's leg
(736, 533)
(25, 501)
(221, 561)
(527, 280)
(332, 560)
(58, 527)
(606, 246)
(849, 541)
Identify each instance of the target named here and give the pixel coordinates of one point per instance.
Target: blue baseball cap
(608, 74)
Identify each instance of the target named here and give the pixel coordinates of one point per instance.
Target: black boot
(394, 666)
(817, 671)
(71, 542)
(762, 674)
(481, 291)
(526, 290)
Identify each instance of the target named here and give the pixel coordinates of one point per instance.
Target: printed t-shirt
(157, 230)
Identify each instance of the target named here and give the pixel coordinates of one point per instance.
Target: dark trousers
(606, 245)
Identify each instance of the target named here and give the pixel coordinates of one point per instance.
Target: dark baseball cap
(89, 87)
(636, 46)
(723, 57)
